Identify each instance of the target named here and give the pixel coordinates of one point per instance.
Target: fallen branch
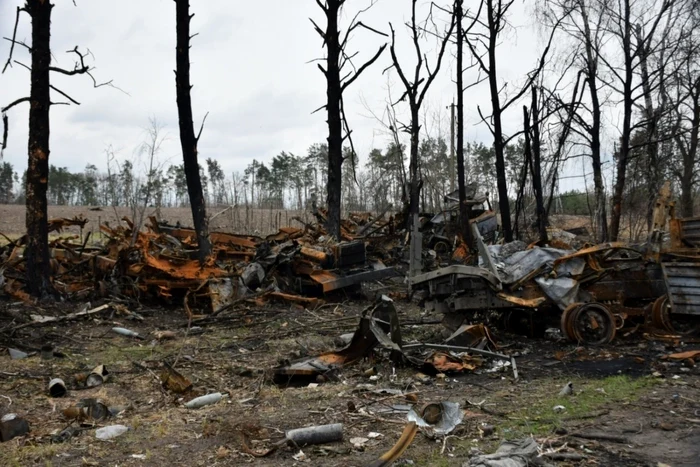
(563, 456)
(601, 437)
(54, 319)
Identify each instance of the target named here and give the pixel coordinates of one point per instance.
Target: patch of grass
(431, 458)
(537, 416)
(30, 454)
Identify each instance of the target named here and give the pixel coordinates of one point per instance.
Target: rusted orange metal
(310, 301)
(188, 269)
(592, 250)
(285, 234)
(445, 362)
(314, 255)
(524, 302)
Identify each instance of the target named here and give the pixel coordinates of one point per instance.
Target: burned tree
(482, 43)
(337, 59)
(37, 249)
(464, 208)
(534, 130)
(589, 30)
(188, 140)
(685, 105)
(624, 19)
(415, 91)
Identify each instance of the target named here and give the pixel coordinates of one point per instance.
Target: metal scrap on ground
(297, 265)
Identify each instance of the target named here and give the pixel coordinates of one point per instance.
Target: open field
(237, 220)
(623, 390)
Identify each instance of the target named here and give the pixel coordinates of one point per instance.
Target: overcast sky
(250, 70)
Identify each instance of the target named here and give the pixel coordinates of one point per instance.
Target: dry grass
(237, 220)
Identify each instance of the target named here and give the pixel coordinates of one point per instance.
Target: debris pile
(379, 328)
(294, 265)
(590, 293)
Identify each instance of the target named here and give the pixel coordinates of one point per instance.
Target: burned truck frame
(441, 229)
(590, 293)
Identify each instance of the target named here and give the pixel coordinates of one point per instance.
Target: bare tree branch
(14, 36)
(12, 104)
(64, 94)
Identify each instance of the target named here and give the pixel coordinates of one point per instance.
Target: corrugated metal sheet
(683, 284)
(690, 230)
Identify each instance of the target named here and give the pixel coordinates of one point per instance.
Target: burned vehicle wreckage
(590, 294)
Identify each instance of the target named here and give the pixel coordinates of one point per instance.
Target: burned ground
(646, 405)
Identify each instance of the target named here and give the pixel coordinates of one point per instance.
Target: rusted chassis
(618, 284)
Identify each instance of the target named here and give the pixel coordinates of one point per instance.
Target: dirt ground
(650, 406)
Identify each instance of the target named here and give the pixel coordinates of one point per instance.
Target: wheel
(659, 313)
(591, 324)
(662, 317)
(566, 329)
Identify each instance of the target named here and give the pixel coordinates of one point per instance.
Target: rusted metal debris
(159, 263)
(405, 440)
(589, 293)
(379, 327)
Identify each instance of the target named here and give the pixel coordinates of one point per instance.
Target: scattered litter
(164, 335)
(300, 456)
(87, 409)
(559, 408)
(515, 453)
(358, 442)
(57, 388)
(97, 376)
(66, 434)
(442, 417)
(17, 354)
(202, 401)
(127, 332)
(46, 352)
(567, 390)
(110, 432)
(12, 426)
(173, 381)
(316, 434)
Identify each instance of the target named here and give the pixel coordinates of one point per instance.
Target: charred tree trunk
(37, 248)
(498, 142)
(623, 154)
(651, 115)
(464, 208)
(335, 124)
(415, 182)
(527, 164)
(540, 211)
(596, 163)
(690, 152)
(415, 96)
(188, 140)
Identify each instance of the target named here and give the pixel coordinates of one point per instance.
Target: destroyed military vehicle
(589, 294)
(441, 229)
